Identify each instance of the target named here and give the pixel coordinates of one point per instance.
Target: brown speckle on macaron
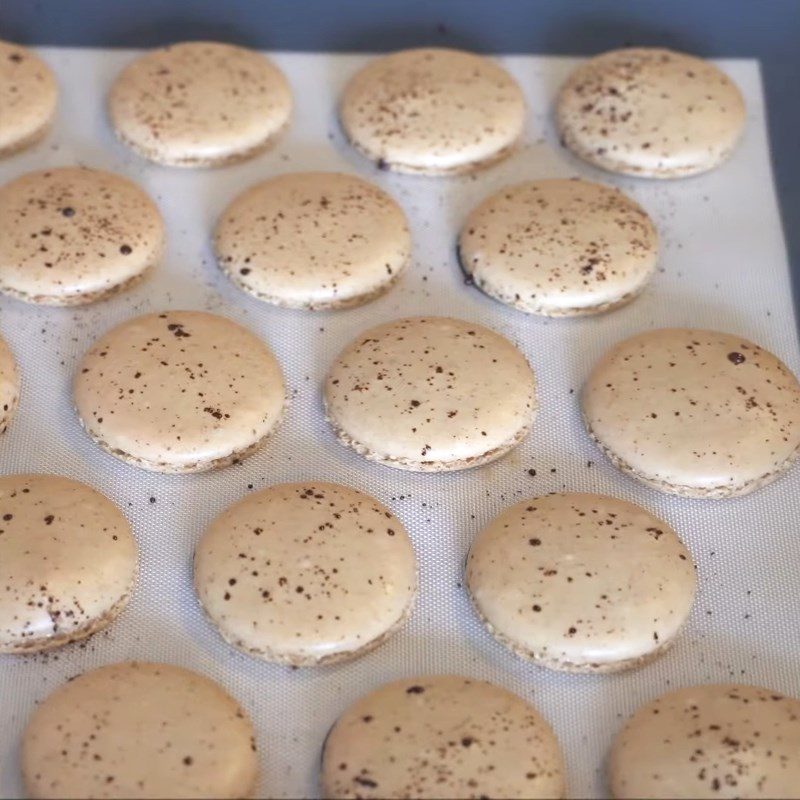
(139, 730)
(28, 98)
(208, 391)
(650, 112)
(103, 241)
(431, 394)
(322, 584)
(432, 111)
(198, 104)
(441, 736)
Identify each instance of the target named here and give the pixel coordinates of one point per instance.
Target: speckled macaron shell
(314, 240)
(581, 582)
(9, 386)
(179, 391)
(306, 573)
(200, 104)
(431, 394)
(711, 741)
(28, 98)
(70, 236)
(441, 736)
(433, 111)
(694, 412)
(559, 247)
(139, 730)
(650, 112)
(68, 562)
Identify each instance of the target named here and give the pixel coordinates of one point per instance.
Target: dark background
(768, 30)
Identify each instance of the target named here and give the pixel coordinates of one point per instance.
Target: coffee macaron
(694, 412)
(306, 573)
(433, 111)
(72, 235)
(139, 730)
(28, 98)
(313, 240)
(430, 394)
(558, 247)
(650, 112)
(581, 582)
(9, 386)
(179, 391)
(200, 104)
(710, 741)
(442, 736)
(68, 562)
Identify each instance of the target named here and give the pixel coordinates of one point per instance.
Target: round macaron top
(650, 112)
(581, 582)
(73, 235)
(694, 411)
(432, 111)
(179, 391)
(67, 561)
(559, 247)
(305, 573)
(139, 730)
(28, 97)
(441, 736)
(711, 741)
(431, 393)
(9, 385)
(313, 240)
(199, 104)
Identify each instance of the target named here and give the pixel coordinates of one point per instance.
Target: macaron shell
(313, 240)
(200, 104)
(28, 97)
(179, 391)
(441, 736)
(559, 247)
(712, 741)
(415, 394)
(306, 573)
(694, 412)
(75, 235)
(138, 730)
(9, 386)
(68, 562)
(433, 111)
(650, 112)
(581, 582)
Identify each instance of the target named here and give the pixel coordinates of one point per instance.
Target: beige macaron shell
(75, 235)
(139, 730)
(433, 111)
(442, 736)
(559, 247)
(431, 394)
(28, 98)
(581, 582)
(694, 412)
(67, 562)
(650, 112)
(313, 240)
(9, 386)
(200, 104)
(306, 573)
(179, 391)
(711, 741)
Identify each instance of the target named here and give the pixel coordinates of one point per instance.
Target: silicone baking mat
(723, 265)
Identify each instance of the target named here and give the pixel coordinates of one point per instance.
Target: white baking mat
(723, 266)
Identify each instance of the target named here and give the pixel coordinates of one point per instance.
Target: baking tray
(723, 265)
